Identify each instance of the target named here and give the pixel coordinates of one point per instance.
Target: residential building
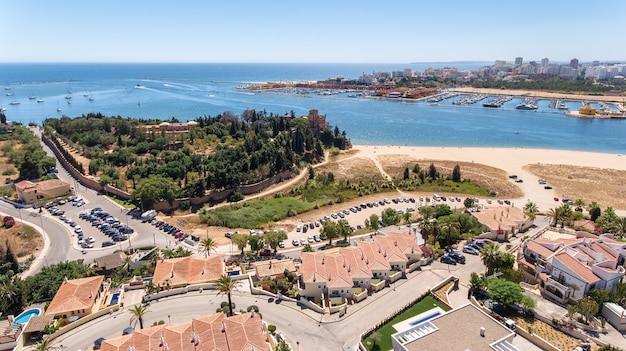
(463, 328)
(111, 261)
(370, 266)
(172, 128)
(317, 122)
(573, 63)
(568, 268)
(273, 268)
(242, 332)
(183, 271)
(78, 298)
(29, 192)
(501, 222)
(519, 61)
(323, 275)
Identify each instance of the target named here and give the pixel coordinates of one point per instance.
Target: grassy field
(386, 330)
(255, 213)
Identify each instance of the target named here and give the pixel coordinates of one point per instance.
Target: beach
(512, 161)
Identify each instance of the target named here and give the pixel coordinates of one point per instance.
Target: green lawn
(386, 330)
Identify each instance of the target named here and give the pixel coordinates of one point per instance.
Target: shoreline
(510, 160)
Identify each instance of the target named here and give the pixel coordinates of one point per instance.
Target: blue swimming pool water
(115, 298)
(431, 316)
(25, 316)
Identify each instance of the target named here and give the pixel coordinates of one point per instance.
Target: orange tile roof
(584, 272)
(75, 294)
(323, 267)
(213, 332)
(407, 242)
(356, 263)
(273, 267)
(373, 256)
(598, 248)
(390, 250)
(503, 217)
(188, 270)
(537, 248)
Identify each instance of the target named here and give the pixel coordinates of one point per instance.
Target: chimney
(482, 331)
(223, 327)
(270, 264)
(90, 293)
(202, 270)
(252, 313)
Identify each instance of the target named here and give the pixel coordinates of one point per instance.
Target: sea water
(186, 91)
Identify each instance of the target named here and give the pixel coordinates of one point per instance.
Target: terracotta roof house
(183, 271)
(30, 192)
(78, 297)
(463, 328)
(407, 243)
(111, 261)
(273, 268)
(502, 221)
(566, 269)
(390, 249)
(323, 273)
(244, 332)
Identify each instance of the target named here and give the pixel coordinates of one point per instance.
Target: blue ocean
(186, 91)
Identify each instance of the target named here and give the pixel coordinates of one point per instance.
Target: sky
(320, 31)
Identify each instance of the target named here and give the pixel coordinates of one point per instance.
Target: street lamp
(298, 344)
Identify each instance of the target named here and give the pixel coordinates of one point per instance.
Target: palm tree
(489, 255)
(44, 345)
(531, 209)
(225, 285)
(138, 312)
(554, 214)
(580, 204)
(619, 227)
(566, 214)
(446, 225)
(208, 244)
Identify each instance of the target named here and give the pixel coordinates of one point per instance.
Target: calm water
(186, 91)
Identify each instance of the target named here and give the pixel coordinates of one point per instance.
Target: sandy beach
(512, 161)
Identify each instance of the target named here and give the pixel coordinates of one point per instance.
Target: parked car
(457, 257)
(295, 242)
(107, 243)
(470, 250)
(303, 241)
(447, 259)
(281, 244)
(265, 252)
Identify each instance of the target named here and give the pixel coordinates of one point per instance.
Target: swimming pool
(115, 298)
(25, 316)
(419, 319)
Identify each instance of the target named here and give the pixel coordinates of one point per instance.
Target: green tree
(207, 245)
(406, 173)
(225, 286)
(311, 173)
(406, 217)
(456, 174)
(154, 189)
(478, 282)
(138, 312)
(373, 222)
(432, 172)
(594, 210)
(587, 307)
(240, 240)
(489, 255)
(375, 337)
(531, 209)
(505, 292)
(307, 248)
(329, 229)
(255, 242)
(390, 216)
(468, 202)
(273, 239)
(343, 229)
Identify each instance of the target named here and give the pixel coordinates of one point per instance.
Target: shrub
(271, 328)
(8, 222)
(253, 307)
(185, 205)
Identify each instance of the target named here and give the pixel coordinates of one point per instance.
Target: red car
(556, 199)
(265, 252)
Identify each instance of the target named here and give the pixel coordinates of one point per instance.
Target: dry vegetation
(355, 169)
(605, 186)
(24, 241)
(488, 177)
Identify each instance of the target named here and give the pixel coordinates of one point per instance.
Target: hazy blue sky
(310, 31)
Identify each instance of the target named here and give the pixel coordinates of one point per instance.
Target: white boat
(9, 94)
(2, 109)
(86, 94)
(39, 100)
(90, 99)
(14, 102)
(69, 102)
(68, 97)
(58, 109)
(7, 88)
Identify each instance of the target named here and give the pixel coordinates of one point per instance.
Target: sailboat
(39, 100)
(58, 108)
(31, 96)
(138, 102)
(86, 94)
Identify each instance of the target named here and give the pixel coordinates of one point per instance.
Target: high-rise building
(519, 60)
(545, 62)
(573, 63)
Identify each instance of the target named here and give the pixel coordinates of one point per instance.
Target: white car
(310, 239)
(91, 240)
(295, 242)
(302, 241)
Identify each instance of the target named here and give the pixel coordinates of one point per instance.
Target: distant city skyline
(310, 32)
